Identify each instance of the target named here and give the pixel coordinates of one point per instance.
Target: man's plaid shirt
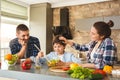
(31, 51)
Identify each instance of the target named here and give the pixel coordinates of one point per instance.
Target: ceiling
(57, 3)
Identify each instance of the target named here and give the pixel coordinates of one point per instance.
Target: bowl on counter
(11, 59)
(10, 63)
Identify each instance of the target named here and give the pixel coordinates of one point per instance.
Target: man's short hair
(22, 27)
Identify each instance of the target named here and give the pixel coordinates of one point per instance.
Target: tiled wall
(110, 8)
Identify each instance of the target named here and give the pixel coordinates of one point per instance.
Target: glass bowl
(52, 63)
(10, 63)
(13, 59)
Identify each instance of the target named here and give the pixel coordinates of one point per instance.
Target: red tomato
(100, 72)
(65, 68)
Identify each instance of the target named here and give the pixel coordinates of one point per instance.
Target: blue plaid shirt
(106, 53)
(31, 51)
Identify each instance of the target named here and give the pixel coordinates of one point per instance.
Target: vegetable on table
(107, 69)
(26, 65)
(11, 59)
(80, 72)
(73, 65)
(98, 71)
(65, 68)
(96, 76)
(70, 71)
(86, 73)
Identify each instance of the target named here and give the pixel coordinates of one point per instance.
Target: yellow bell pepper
(73, 65)
(107, 69)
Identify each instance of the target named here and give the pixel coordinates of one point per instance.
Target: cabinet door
(86, 24)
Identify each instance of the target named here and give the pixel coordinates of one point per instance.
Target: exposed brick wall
(110, 8)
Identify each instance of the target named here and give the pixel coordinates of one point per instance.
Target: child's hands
(40, 54)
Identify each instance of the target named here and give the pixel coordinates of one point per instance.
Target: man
(23, 45)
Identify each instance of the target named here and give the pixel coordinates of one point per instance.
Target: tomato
(65, 68)
(100, 72)
(26, 65)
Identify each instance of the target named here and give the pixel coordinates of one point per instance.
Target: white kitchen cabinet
(86, 24)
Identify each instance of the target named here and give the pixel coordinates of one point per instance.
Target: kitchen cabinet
(86, 24)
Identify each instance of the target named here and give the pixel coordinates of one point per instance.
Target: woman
(101, 50)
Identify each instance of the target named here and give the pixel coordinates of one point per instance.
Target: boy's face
(58, 48)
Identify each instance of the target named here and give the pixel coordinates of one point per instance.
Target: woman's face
(58, 48)
(94, 35)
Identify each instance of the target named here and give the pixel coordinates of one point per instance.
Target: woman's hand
(87, 65)
(66, 41)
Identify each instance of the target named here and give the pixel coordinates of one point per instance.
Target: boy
(65, 58)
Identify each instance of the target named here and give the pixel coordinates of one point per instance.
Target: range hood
(63, 29)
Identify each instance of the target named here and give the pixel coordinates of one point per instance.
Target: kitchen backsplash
(102, 9)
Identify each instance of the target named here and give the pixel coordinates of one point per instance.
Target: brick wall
(110, 8)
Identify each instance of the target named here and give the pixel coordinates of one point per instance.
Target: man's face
(23, 35)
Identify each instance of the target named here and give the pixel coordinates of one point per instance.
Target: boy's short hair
(22, 27)
(58, 41)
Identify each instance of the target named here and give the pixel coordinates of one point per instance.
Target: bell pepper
(26, 65)
(107, 69)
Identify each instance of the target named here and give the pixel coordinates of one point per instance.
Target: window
(8, 32)
(15, 10)
(13, 13)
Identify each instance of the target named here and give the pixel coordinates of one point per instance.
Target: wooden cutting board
(56, 69)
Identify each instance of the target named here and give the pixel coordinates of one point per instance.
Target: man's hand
(22, 42)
